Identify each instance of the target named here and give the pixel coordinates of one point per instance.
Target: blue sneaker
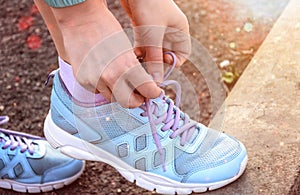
(29, 164)
(156, 145)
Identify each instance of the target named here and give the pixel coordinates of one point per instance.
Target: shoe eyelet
(141, 114)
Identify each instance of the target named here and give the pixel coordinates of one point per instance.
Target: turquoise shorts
(63, 3)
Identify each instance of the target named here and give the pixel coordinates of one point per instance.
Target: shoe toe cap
(226, 171)
(67, 171)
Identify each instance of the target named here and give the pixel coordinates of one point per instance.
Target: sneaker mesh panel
(50, 160)
(141, 164)
(141, 143)
(157, 161)
(105, 119)
(123, 150)
(224, 149)
(18, 170)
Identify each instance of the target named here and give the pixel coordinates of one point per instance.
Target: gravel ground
(23, 71)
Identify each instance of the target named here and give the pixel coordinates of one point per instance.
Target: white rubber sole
(37, 188)
(80, 149)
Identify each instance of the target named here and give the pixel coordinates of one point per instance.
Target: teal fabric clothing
(63, 3)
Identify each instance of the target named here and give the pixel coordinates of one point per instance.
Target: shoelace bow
(171, 118)
(14, 141)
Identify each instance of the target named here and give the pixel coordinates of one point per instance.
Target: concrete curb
(263, 111)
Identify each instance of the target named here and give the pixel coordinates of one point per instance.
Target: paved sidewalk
(263, 111)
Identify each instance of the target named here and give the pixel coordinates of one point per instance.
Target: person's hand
(102, 56)
(159, 26)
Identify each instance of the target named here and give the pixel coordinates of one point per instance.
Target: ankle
(74, 88)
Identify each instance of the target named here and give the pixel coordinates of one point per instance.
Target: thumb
(154, 63)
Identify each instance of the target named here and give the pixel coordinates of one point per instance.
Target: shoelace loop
(171, 118)
(14, 141)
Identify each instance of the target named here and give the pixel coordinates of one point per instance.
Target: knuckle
(184, 20)
(155, 56)
(135, 103)
(84, 81)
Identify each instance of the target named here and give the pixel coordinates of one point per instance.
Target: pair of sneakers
(156, 145)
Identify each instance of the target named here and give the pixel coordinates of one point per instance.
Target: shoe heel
(49, 136)
(51, 131)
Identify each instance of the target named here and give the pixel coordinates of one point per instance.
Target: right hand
(102, 56)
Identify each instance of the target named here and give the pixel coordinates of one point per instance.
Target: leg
(53, 28)
(66, 71)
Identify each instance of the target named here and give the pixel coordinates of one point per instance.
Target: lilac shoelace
(171, 118)
(14, 141)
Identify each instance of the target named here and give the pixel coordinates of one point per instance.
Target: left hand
(159, 26)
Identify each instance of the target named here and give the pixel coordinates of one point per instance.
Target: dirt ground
(27, 55)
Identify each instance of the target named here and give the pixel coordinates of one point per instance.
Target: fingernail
(157, 77)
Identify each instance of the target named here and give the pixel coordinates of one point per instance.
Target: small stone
(248, 27)
(17, 79)
(1, 107)
(8, 87)
(203, 12)
(45, 99)
(224, 63)
(237, 29)
(232, 45)
(119, 190)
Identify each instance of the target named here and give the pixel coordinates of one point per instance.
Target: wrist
(86, 12)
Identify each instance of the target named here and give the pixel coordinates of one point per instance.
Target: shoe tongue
(161, 105)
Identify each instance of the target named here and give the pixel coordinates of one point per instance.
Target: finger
(180, 59)
(105, 91)
(142, 82)
(178, 42)
(126, 7)
(125, 95)
(154, 63)
(168, 58)
(139, 52)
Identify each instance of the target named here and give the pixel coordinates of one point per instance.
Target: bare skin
(87, 29)
(159, 26)
(89, 37)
